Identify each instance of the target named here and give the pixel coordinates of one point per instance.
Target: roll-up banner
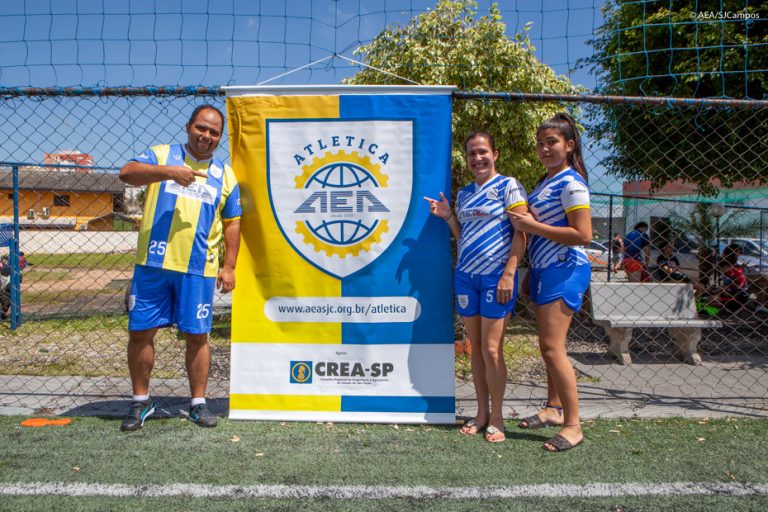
(343, 307)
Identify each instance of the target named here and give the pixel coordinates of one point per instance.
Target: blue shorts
(476, 295)
(566, 283)
(161, 298)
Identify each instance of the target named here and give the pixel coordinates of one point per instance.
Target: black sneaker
(139, 412)
(201, 415)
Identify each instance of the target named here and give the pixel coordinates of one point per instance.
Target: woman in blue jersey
(560, 224)
(488, 253)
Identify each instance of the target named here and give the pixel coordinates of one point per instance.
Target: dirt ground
(93, 279)
(67, 292)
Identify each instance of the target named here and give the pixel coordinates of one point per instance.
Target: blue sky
(221, 42)
(72, 43)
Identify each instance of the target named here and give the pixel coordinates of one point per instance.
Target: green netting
(682, 49)
(670, 48)
(687, 152)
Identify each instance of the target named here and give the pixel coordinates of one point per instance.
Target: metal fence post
(762, 247)
(14, 254)
(610, 235)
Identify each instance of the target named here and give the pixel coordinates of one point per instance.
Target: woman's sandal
(535, 422)
(492, 433)
(560, 444)
(468, 426)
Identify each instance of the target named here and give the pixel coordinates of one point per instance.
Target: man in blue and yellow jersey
(192, 202)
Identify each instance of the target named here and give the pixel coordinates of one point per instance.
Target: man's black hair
(206, 106)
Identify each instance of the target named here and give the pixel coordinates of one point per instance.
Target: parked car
(597, 252)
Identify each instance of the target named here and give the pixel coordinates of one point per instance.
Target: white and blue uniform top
(486, 231)
(550, 202)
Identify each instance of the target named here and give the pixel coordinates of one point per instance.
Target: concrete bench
(620, 307)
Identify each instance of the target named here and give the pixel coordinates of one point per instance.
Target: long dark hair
(565, 124)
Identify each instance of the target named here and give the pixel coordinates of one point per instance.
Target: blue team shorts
(476, 295)
(161, 298)
(566, 283)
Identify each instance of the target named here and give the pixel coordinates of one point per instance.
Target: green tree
(678, 49)
(141, 198)
(452, 45)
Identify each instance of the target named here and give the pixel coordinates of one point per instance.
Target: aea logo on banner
(340, 190)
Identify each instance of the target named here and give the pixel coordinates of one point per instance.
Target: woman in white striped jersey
(559, 225)
(485, 278)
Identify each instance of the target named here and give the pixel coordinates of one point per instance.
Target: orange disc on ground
(45, 422)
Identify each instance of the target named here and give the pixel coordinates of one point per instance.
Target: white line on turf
(593, 490)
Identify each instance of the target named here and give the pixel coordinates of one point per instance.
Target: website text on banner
(343, 307)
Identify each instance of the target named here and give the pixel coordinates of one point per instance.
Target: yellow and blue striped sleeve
(230, 196)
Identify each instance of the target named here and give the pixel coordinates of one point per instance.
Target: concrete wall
(64, 242)
(81, 204)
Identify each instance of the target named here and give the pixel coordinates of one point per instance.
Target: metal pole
(762, 249)
(14, 250)
(610, 235)
(717, 250)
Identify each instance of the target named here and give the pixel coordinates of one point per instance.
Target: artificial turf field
(669, 464)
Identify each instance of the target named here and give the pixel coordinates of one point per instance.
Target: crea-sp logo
(340, 191)
(301, 372)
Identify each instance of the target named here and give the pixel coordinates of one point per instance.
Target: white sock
(140, 398)
(197, 401)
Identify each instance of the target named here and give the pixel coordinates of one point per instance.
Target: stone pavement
(727, 386)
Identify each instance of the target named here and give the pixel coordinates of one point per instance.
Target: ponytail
(565, 124)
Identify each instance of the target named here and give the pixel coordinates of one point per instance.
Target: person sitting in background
(734, 295)
(5, 288)
(5, 282)
(668, 266)
(732, 252)
(668, 269)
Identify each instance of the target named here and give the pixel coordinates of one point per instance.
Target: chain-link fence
(78, 236)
